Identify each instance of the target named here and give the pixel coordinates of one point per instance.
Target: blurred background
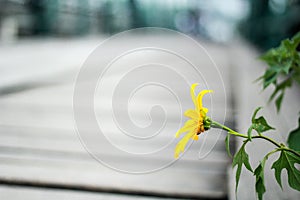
(43, 44)
(256, 20)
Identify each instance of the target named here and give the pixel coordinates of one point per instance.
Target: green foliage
(283, 60)
(287, 160)
(283, 71)
(240, 158)
(227, 144)
(259, 124)
(259, 182)
(294, 138)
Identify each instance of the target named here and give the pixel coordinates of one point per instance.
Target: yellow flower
(198, 123)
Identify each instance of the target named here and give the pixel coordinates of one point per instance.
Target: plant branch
(215, 124)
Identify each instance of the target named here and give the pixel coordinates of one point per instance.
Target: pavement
(44, 148)
(42, 154)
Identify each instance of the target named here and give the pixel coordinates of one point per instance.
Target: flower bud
(207, 123)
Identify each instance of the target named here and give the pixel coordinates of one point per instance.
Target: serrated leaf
(255, 113)
(259, 124)
(279, 101)
(287, 44)
(281, 87)
(259, 182)
(269, 56)
(227, 145)
(269, 77)
(294, 138)
(240, 158)
(287, 66)
(296, 76)
(283, 60)
(287, 160)
(296, 40)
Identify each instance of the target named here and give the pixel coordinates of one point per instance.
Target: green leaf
(296, 76)
(227, 144)
(281, 87)
(282, 61)
(294, 138)
(269, 77)
(287, 160)
(259, 183)
(255, 113)
(240, 158)
(279, 101)
(296, 40)
(259, 124)
(249, 132)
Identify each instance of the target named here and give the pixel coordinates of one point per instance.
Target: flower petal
(205, 110)
(196, 137)
(182, 143)
(199, 98)
(188, 126)
(192, 114)
(192, 91)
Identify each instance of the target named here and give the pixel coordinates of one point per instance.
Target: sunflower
(197, 123)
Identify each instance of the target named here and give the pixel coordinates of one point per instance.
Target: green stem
(270, 153)
(268, 139)
(215, 124)
(290, 150)
(232, 132)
